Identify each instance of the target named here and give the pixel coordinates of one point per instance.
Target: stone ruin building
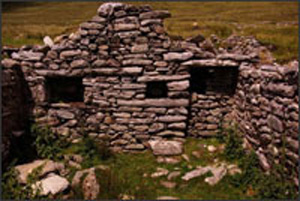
(122, 76)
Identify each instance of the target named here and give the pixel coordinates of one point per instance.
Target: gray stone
(174, 56)
(195, 173)
(218, 174)
(163, 102)
(79, 63)
(173, 175)
(210, 62)
(171, 118)
(159, 172)
(178, 85)
(275, 123)
(156, 127)
(128, 34)
(48, 166)
(150, 22)
(171, 133)
(27, 56)
(125, 27)
(9, 63)
(69, 53)
(166, 148)
(138, 62)
(180, 126)
(131, 70)
(148, 78)
(48, 41)
(139, 48)
(53, 184)
(91, 25)
(168, 184)
(64, 114)
(107, 9)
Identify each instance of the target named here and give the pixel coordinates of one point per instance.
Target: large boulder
(166, 148)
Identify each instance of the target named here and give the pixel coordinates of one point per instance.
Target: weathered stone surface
(159, 172)
(131, 70)
(163, 102)
(275, 123)
(69, 53)
(48, 41)
(195, 173)
(90, 186)
(167, 198)
(147, 78)
(150, 22)
(26, 169)
(171, 133)
(178, 85)
(155, 14)
(107, 9)
(156, 127)
(171, 118)
(53, 184)
(137, 62)
(174, 56)
(9, 63)
(79, 63)
(140, 48)
(27, 56)
(128, 34)
(210, 62)
(64, 114)
(99, 63)
(125, 27)
(166, 148)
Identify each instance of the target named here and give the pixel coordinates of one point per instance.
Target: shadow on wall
(17, 107)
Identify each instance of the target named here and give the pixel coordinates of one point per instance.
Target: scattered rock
(53, 184)
(159, 172)
(168, 184)
(173, 175)
(48, 166)
(211, 148)
(167, 160)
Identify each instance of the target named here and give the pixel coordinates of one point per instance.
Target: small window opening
(214, 80)
(156, 90)
(64, 89)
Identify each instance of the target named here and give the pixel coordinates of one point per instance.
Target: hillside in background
(274, 24)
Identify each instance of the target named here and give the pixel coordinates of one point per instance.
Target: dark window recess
(221, 80)
(156, 90)
(64, 89)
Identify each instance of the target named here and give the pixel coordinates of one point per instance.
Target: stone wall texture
(124, 49)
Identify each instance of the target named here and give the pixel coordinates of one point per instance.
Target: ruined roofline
(118, 21)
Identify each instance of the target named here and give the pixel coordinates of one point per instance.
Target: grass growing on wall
(273, 23)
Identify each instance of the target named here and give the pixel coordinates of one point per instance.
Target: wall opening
(156, 90)
(64, 89)
(215, 80)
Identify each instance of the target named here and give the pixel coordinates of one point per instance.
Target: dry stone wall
(267, 110)
(137, 84)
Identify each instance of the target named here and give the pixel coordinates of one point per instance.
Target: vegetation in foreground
(128, 175)
(274, 24)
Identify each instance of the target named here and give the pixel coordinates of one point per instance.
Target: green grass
(127, 170)
(274, 23)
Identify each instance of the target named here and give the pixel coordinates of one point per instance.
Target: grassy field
(273, 23)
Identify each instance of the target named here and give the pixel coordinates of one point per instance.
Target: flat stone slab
(166, 148)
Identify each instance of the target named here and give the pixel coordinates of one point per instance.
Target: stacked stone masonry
(123, 51)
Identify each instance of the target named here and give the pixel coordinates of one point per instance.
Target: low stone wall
(267, 111)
